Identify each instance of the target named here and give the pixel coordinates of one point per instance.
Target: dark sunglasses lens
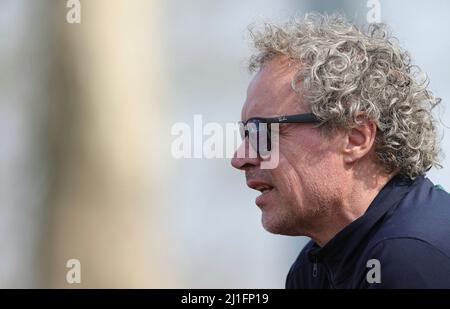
(252, 128)
(242, 130)
(263, 139)
(258, 133)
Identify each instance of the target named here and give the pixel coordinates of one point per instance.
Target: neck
(353, 202)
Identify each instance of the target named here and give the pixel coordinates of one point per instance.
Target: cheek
(287, 180)
(313, 154)
(305, 169)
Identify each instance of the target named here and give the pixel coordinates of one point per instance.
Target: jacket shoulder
(423, 214)
(407, 262)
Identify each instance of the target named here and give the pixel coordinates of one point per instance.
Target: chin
(277, 225)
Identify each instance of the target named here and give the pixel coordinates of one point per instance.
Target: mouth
(262, 187)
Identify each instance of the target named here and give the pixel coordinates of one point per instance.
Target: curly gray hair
(346, 71)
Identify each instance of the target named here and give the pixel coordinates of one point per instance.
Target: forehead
(270, 92)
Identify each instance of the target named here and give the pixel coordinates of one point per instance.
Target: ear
(359, 140)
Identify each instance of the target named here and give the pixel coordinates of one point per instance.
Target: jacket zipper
(315, 271)
(315, 268)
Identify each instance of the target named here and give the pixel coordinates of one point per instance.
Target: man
(352, 159)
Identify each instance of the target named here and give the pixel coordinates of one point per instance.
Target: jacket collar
(340, 253)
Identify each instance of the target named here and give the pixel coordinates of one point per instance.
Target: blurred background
(86, 112)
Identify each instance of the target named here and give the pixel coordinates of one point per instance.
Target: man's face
(301, 190)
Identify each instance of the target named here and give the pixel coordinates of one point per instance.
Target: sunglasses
(257, 128)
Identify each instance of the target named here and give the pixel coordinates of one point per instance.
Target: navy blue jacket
(405, 230)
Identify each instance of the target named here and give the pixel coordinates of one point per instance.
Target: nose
(245, 157)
